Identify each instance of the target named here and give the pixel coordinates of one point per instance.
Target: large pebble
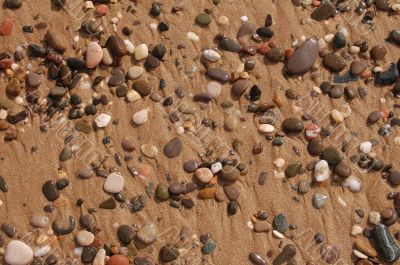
(211, 55)
(173, 148)
(94, 55)
(321, 171)
(218, 74)
(135, 72)
(240, 86)
(334, 62)
(102, 120)
(114, 183)
(148, 233)
(140, 117)
(39, 221)
(141, 52)
(84, 238)
(56, 40)
(288, 252)
(303, 57)
(204, 174)
(386, 245)
(18, 253)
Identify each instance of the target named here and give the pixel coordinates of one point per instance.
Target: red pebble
(6, 63)
(102, 10)
(6, 27)
(288, 53)
(312, 131)
(118, 259)
(272, 44)
(386, 112)
(263, 48)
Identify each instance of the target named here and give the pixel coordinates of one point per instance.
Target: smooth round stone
(334, 62)
(50, 190)
(339, 40)
(265, 32)
(190, 166)
(275, 54)
(85, 173)
(114, 183)
(127, 144)
(366, 147)
(319, 200)
(94, 55)
(303, 186)
(149, 150)
(132, 96)
(336, 91)
(40, 221)
(230, 173)
(228, 44)
(142, 87)
(33, 79)
(211, 55)
(343, 169)
(394, 177)
(332, 156)
(324, 12)
(288, 252)
(173, 148)
(321, 171)
(266, 128)
(118, 259)
(203, 19)
(218, 74)
(140, 117)
(358, 66)
(86, 220)
(13, 87)
(117, 46)
(240, 86)
(395, 36)
(56, 40)
(84, 238)
(176, 188)
(303, 58)
(141, 52)
(162, 192)
(293, 125)
(107, 58)
(374, 117)
(383, 5)
(378, 52)
(204, 175)
(18, 253)
(102, 120)
(148, 233)
(231, 192)
(214, 89)
(135, 72)
(125, 234)
(159, 51)
(257, 259)
(280, 223)
(13, 4)
(231, 123)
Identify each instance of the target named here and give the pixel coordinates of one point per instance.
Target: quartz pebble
(94, 55)
(140, 117)
(84, 238)
(114, 183)
(148, 233)
(211, 55)
(321, 171)
(102, 120)
(18, 253)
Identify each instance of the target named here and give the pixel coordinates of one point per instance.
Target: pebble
(132, 96)
(228, 44)
(203, 19)
(214, 89)
(116, 46)
(18, 253)
(303, 58)
(141, 52)
(343, 169)
(266, 128)
(114, 183)
(395, 36)
(324, 12)
(162, 192)
(319, 200)
(173, 148)
(207, 193)
(142, 87)
(102, 120)
(50, 190)
(84, 238)
(280, 223)
(211, 55)
(378, 52)
(13, 4)
(262, 226)
(394, 177)
(6, 27)
(40, 221)
(275, 54)
(127, 144)
(85, 173)
(56, 40)
(257, 259)
(192, 36)
(334, 62)
(148, 233)
(86, 220)
(356, 230)
(321, 171)
(374, 217)
(135, 72)
(240, 86)
(218, 74)
(149, 150)
(386, 246)
(107, 58)
(167, 254)
(366, 147)
(3, 184)
(140, 117)
(293, 125)
(118, 259)
(94, 55)
(125, 234)
(100, 257)
(245, 29)
(365, 247)
(42, 251)
(339, 40)
(288, 252)
(204, 175)
(9, 229)
(337, 116)
(231, 192)
(33, 79)
(330, 253)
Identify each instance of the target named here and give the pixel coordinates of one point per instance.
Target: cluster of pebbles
(98, 63)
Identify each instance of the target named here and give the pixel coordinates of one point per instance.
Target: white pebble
(41, 251)
(244, 18)
(344, 32)
(359, 255)
(3, 114)
(89, 5)
(141, 52)
(102, 120)
(397, 140)
(78, 251)
(321, 43)
(100, 257)
(337, 116)
(353, 184)
(132, 96)
(374, 217)
(266, 128)
(211, 55)
(135, 72)
(18, 253)
(214, 89)
(356, 230)
(280, 162)
(354, 49)
(216, 167)
(114, 183)
(328, 38)
(277, 234)
(321, 171)
(84, 238)
(192, 36)
(114, 20)
(366, 147)
(140, 117)
(129, 46)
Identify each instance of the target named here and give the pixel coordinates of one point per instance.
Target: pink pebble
(6, 27)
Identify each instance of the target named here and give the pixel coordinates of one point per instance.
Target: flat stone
(324, 12)
(176, 188)
(109, 204)
(246, 29)
(218, 74)
(168, 254)
(85, 173)
(303, 58)
(240, 86)
(148, 233)
(9, 229)
(203, 19)
(262, 226)
(293, 125)
(142, 87)
(334, 62)
(149, 150)
(173, 148)
(125, 234)
(18, 253)
(231, 192)
(13, 87)
(114, 183)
